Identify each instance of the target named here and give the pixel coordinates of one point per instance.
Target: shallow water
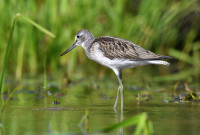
(30, 112)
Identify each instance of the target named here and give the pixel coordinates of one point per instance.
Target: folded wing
(124, 49)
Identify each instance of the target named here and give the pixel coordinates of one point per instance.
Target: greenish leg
(117, 98)
(120, 89)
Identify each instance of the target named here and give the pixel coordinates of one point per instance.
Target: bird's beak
(69, 49)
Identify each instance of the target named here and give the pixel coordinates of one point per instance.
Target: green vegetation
(10, 39)
(165, 27)
(143, 126)
(30, 59)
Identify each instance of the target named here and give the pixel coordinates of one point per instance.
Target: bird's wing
(124, 49)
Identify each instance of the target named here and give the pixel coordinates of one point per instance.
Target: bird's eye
(78, 36)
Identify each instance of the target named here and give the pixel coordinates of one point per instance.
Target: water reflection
(38, 116)
(121, 116)
(50, 122)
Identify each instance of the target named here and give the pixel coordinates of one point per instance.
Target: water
(32, 112)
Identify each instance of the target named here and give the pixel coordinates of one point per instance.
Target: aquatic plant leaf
(140, 121)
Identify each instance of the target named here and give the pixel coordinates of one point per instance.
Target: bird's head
(82, 38)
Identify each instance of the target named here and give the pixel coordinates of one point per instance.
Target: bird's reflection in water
(121, 130)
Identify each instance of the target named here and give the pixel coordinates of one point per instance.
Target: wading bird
(116, 54)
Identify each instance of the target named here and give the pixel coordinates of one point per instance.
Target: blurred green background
(168, 27)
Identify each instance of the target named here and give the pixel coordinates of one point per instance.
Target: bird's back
(123, 49)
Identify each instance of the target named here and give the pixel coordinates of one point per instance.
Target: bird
(116, 54)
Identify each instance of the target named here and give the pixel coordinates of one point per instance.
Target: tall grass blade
(38, 26)
(6, 55)
(10, 39)
(181, 56)
(177, 76)
(45, 73)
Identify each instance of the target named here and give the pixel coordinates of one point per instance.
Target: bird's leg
(117, 98)
(122, 95)
(120, 89)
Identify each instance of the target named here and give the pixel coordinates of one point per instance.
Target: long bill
(69, 49)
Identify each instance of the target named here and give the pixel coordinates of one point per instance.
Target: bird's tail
(164, 57)
(159, 62)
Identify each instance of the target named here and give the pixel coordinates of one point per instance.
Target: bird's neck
(86, 46)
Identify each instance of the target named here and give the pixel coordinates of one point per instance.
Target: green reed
(18, 15)
(6, 54)
(160, 26)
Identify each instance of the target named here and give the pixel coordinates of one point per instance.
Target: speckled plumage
(115, 53)
(124, 49)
